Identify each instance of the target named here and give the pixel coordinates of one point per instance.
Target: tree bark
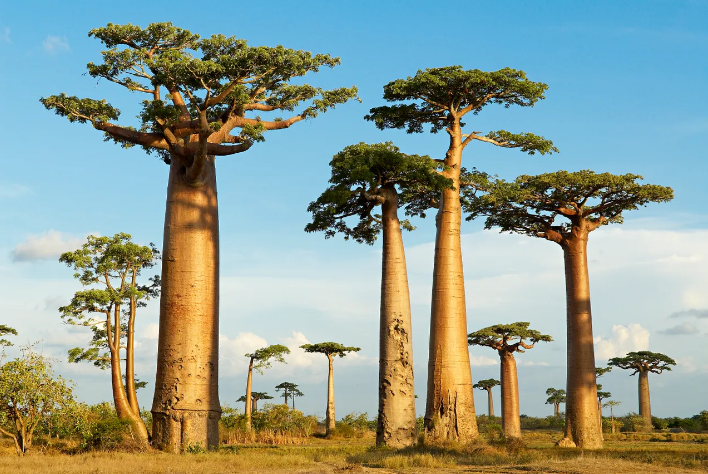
(185, 407)
(249, 391)
(330, 420)
(396, 425)
(449, 410)
(644, 401)
(490, 402)
(582, 429)
(511, 420)
(556, 410)
(130, 367)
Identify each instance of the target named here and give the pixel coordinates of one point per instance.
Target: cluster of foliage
(354, 425)
(547, 423)
(273, 424)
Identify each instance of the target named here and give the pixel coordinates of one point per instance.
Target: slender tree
(507, 339)
(487, 385)
(330, 349)
(296, 393)
(259, 361)
(204, 98)
(555, 398)
(109, 268)
(644, 363)
(612, 404)
(599, 372)
(440, 98)
(255, 397)
(287, 388)
(584, 201)
(365, 177)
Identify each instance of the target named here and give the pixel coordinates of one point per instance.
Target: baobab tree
(330, 349)
(440, 98)
(4, 331)
(204, 98)
(507, 339)
(644, 363)
(555, 398)
(296, 393)
(488, 385)
(109, 268)
(287, 388)
(612, 404)
(260, 360)
(584, 201)
(365, 177)
(599, 372)
(255, 397)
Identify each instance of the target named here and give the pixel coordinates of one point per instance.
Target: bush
(703, 420)
(634, 422)
(659, 423)
(105, 431)
(273, 424)
(547, 423)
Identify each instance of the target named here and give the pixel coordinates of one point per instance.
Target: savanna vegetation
(209, 97)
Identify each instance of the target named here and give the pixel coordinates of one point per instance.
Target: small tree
(365, 177)
(599, 372)
(287, 389)
(330, 349)
(583, 201)
(643, 363)
(29, 394)
(487, 385)
(296, 393)
(443, 99)
(255, 397)
(109, 267)
(555, 398)
(259, 361)
(507, 339)
(612, 404)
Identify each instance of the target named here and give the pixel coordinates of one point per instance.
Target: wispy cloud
(5, 35)
(685, 329)
(56, 44)
(13, 190)
(45, 246)
(690, 313)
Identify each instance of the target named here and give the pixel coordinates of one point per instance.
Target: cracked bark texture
(186, 407)
(582, 428)
(396, 426)
(449, 411)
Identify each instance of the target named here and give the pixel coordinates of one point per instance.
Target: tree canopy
(643, 361)
(329, 349)
(437, 97)
(502, 337)
(265, 356)
(4, 331)
(555, 396)
(602, 395)
(486, 384)
(359, 174)
(531, 204)
(600, 371)
(198, 91)
(256, 396)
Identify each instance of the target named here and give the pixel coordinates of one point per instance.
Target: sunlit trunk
(330, 420)
(130, 361)
(249, 391)
(556, 410)
(644, 401)
(582, 429)
(511, 420)
(185, 407)
(490, 402)
(396, 421)
(449, 410)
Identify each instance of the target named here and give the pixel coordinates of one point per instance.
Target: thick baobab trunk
(582, 429)
(644, 401)
(490, 402)
(449, 409)
(249, 391)
(396, 421)
(185, 407)
(511, 420)
(330, 420)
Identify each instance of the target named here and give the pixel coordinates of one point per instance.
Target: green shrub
(703, 420)
(105, 430)
(634, 422)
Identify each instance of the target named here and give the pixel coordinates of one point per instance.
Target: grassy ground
(649, 454)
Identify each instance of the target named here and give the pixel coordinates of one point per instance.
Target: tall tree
(599, 372)
(507, 339)
(109, 268)
(287, 389)
(488, 385)
(365, 177)
(555, 398)
(204, 98)
(584, 201)
(261, 360)
(644, 363)
(296, 393)
(440, 98)
(330, 349)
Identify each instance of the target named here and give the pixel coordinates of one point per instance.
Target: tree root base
(566, 443)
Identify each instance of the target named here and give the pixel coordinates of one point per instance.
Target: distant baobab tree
(644, 363)
(364, 179)
(287, 389)
(612, 404)
(583, 201)
(443, 99)
(205, 97)
(507, 339)
(255, 397)
(260, 360)
(487, 385)
(555, 398)
(330, 349)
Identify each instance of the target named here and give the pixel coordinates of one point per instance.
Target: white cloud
(684, 329)
(531, 363)
(13, 190)
(5, 35)
(477, 361)
(56, 44)
(151, 332)
(624, 339)
(693, 312)
(231, 351)
(46, 246)
(298, 357)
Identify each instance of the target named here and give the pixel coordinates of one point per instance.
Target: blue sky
(626, 94)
